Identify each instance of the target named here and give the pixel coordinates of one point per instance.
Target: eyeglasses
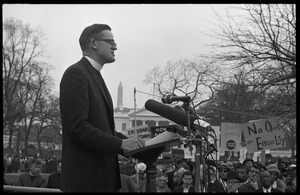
(109, 41)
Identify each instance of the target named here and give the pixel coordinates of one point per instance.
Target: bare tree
(48, 117)
(21, 46)
(38, 87)
(26, 78)
(262, 40)
(184, 77)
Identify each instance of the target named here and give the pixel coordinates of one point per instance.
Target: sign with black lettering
(264, 134)
(156, 130)
(142, 132)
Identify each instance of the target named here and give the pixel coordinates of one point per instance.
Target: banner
(142, 132)
(264, 134)
(231, 134)
(156, 130)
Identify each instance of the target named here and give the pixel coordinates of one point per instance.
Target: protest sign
(264, 134)
(156, 130)
(142, 132)
(231, 136)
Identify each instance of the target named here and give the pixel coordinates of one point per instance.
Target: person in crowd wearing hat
(248, 163)
(233, 182)
(223, 171)
(214, 185)
(265, 179)
(289, 177)
(276, 182)
(252, 182)
(282, 166)
(140, 177)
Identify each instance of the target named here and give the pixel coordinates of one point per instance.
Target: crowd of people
(177, 176)
(20, 163)
(227, 177)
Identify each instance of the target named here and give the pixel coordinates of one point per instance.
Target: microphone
(175, 115)
(168, 99)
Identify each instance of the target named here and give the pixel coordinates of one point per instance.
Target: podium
(149, 155)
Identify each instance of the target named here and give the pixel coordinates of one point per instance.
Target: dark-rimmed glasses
(109, 41)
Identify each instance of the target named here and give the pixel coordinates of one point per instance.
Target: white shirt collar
(95, 64)
(267, 190)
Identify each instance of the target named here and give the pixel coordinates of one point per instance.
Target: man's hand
(132, 143)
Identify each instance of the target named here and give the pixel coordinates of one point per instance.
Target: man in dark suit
(266, 187)
(252, 182)
(33, 178)
(186, 186)
(54, 179)
(90, 142)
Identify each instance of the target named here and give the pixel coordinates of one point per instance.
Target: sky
(147, 35)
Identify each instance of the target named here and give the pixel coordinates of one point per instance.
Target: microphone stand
(198, 155)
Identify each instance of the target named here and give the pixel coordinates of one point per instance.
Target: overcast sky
(147, 35)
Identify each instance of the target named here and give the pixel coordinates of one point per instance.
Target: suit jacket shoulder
(25, 180)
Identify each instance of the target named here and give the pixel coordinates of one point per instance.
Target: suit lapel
(36, 181)
(106, 92)
(101, 84)
(96, 75)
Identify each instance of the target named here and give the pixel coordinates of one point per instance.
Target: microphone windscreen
(175, 115)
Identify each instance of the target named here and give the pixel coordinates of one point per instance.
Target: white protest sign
(264, 134)
(231, 134)
(142, 132)
(243, 154)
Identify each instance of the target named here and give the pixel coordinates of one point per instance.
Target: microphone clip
(176, 129)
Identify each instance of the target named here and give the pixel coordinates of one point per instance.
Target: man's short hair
(187, 173)
(91, 32)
